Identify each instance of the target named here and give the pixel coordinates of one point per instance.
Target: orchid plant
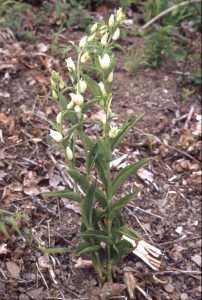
(102, 230)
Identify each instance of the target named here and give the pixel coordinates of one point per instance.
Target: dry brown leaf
(130, 283)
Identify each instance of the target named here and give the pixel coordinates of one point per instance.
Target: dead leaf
(169, 288)
(13, 269)
(130, 283)
(145, 175)
(3, 249)
(197, 259)
(83, 264)
(35, 293)
(175, 253)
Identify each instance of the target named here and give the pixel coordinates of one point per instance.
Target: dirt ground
(166, 212)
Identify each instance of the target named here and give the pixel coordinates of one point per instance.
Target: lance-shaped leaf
(91, 157)
(87, 205)
(116, 207)
(88, 104)
(123, 132)
(104, 149)
(93, 86)
(98, 235)
(85, 247)
(126, 172)
(101, 166)
(83, 182)
(55, 250)
(124, 247)
(64, 194)
(129, 232)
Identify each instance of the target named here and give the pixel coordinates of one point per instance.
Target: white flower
(69, 153)
(70, 64)
(120, 16)
(91, 37)
(102, 87)
(93, 28)
(116, 35)
(103, 29)
(56, 135)
(113, 132)
(104, 61)
(81, 86)
(111, 21)
(104, 39)
(59, 118)
(77, 98)
(110, 77)
(61, 84)
(53, 85)
(54, 95)
(85, 57)
(83, 41)
(70, 105)
(77, 109)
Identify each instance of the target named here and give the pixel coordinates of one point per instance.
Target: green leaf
(13, 223)
(83, 182)
(99, 235)
(129, 232)
(55, 250)
(102, 166)
(85, 247)
(88, 104)
(126, 172)
(91, 158)
(180, 54)
(64, 194)
(87, 205)
(104, 149)
(93, 86)
(121, 203)
(123, 132)
(90, 143)
(124, 247)
(4, 230)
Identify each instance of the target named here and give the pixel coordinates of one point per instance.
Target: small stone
(184, 296)
(169, 288)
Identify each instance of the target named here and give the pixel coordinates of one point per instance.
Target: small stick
(168, 10)
(180, 240)
(186, 125)
(147, 212)
(139, 224)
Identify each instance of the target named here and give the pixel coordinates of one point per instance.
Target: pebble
(184, 296)
(169, 288)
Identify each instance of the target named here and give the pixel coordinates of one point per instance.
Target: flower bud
(116, 35)
(120, 16)
(55, 75)
(56, 135)
(110, 77)
(70, 64)
(113, 132)
(111, 21)
(70, 105)
(104, 61)
(81, 86)
(77, 109)
(91, 37)
(69, 153)
(59, 118)
(83, 41)
(93, 28)
(102, 87)
(103, 29)
(104, 39)
(54, 95)
(85, 57)
(61, 84)
(53, 85)
(77, 98)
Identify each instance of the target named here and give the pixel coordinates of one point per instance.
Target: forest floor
(166, 212)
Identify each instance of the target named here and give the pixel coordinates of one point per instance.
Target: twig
(42, 277)
(130, 212)
(186, 125)
(178, 272)
(147, 212)
(180, 240)
(168, 10)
